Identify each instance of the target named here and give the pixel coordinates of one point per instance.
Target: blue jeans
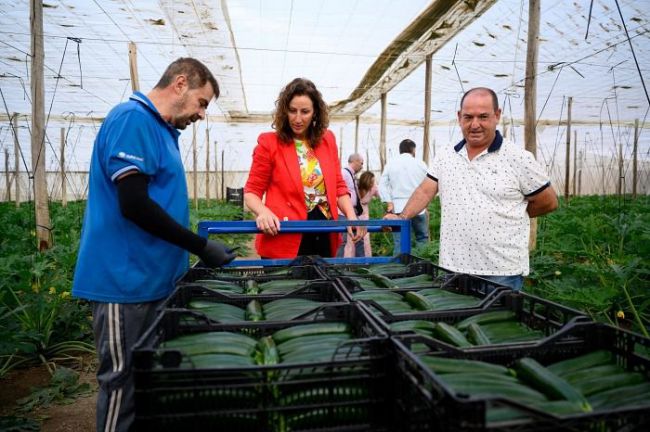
(515, 282)
(420, 228)
(358, 246)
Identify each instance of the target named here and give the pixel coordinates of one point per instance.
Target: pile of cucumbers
(303, 343)
(315, 399)
(487, 328)
(283, 309)
(426, 300)
(252, 286)
(587, 383)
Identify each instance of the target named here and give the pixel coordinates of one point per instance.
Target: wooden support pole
(341, 145)
(16, 160)
(207, 166)
(580, 174)
(634, 157)
(356, 135)
(575, 162)
(64, 192)
(368, 160)
(223, 180)
(382, 133)
(133, 66)
(427, 110)
(7, 177)
(195, 183)
(530, 95)
(567, 159)
(38, 127)
(216, 172)
(619, 186)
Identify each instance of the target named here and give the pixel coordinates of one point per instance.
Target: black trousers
(315, 243)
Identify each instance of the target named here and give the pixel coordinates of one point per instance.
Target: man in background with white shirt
(401, 176)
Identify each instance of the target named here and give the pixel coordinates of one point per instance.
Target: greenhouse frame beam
(369, 119)
(430, 31)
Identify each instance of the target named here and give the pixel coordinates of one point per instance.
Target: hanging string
(81, 76)
(636, 62)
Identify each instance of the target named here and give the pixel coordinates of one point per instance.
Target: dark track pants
(117, 327)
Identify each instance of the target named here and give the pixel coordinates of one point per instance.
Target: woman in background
(367, 190)
(297, 167)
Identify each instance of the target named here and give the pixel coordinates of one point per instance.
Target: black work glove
(216, 254)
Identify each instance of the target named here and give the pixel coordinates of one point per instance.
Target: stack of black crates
(377, 380)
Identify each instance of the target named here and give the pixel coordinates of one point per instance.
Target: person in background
(297, 169)
(489, 189)
(355, 164)
(401, 176)
(135, 235)
(367, 190)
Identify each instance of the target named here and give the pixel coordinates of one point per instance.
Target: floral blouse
(312, 179)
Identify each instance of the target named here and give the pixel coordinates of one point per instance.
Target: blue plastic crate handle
(206, 228)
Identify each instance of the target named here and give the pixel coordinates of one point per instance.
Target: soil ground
(77, 416)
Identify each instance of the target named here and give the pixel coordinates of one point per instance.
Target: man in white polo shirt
(401, 176)
(489, 189)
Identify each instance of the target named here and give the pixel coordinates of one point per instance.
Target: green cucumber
(476, 335)
(205, 361)
(417, 301)
(310, 329)
(559, 408)
(444, 365)
(251, 287)
(547, 382)
(450, 334)
(622, 396)
(600, 383)
(486, 317)
(513, 391)
(268, 350)
(581, 375)
(592, 359)
(412, 325)
(208, 338)
(413, 281)
(254, 311)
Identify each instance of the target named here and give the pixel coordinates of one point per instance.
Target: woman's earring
(313, 123)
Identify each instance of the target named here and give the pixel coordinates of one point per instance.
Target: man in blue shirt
(135, 237)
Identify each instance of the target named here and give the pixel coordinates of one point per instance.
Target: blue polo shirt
(119, 262)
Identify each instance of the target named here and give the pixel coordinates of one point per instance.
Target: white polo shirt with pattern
(484, 228)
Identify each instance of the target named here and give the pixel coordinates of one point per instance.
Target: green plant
(63, 389)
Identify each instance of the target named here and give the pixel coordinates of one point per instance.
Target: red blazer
(276, 173)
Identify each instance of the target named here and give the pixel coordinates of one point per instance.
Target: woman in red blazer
(298, 169)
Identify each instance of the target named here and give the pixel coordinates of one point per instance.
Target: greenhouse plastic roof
(346, 47)
(255, 47)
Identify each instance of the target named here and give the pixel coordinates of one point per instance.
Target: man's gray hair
(354, 157)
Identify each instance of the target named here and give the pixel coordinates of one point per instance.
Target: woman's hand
(267, 222)
(356, 233)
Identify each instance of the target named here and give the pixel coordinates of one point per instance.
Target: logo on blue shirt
(123, 155)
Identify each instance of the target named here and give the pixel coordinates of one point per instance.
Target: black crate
(425, 403)
(258, 274)
(349, 392)
(489, 293)
(553, 319)
(442, 278)
(414, 266)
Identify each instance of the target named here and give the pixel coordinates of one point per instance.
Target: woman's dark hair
(365, 183)
(320, 121)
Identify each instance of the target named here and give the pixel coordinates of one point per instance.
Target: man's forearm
(420, 199)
